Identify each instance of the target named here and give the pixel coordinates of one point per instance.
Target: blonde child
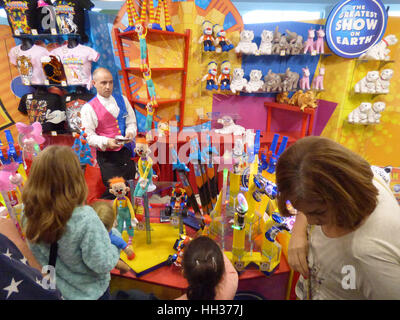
(57, 221)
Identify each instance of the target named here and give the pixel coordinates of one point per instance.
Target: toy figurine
(221, 40)
(319, 44)
(245, 45)
(141, 32)
(163, 128)
(149, 121)
(255, 84)
(290, 80)
(380, 51)
(283, 97)
(368, 83)
(228, 127)
(360, 114)
(374, 114)
(266, 42)
(305, 80)
(178, 201)
(238, 82)
(207, 39)
(295, 42)
(224, 78)
(211, 76)
(309, 44)
(30, 138)
(150, 87)
(318, 82)
(307, 100)
(264, 187)
(272, 82)
(179, 246)
(145, 165)
(122, 206)
(382, 84)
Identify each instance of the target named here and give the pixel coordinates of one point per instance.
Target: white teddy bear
(255, 84)
(245, 45)
(360, 114)
(374, 114)
(238, 82)
(368, 83)
(383, 82)
(266, 42)
(228, 127)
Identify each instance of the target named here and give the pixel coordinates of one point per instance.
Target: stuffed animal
(368, 83)
(360, 114)
(384, 173)
(163, 128)
(245, 45)
(305, 80)
(220, 39)
(380, 51)
(283, 97)
(207, 39)
(255, 84)
(309, 44)
(307, 100)
(238, 83)
(224, 79)
(295, 42)
(272, 82)
(318, 82)
(276, 41)
(382, 84)
(319, 44)
(229, 126)
(290, 80)
(266, 42)
(145, 167)
(374, 114)
(211, 76)
(295, 98)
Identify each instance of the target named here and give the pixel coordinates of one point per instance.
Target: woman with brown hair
(345, 241)
(62, 231)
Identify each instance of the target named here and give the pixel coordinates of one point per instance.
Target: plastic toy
(207, 39)
(220, 39)
(82, 149)
(305, 80)
(179, 246)
(224, 78)
(211, 76)
(290, 80)
(295, 42)
(360, 114)
(255, 84)
(307, 100)
(264, 187)
(209, 152)
(380, 51)
(273, 156)
(319, 43)
(141, 33)
(368, 83)
(13, 152)
(238, 82)
(266, 42)
(145, 165)
(283, 97)
(276, 41)
(177, 208)
(122, 206)
(309, 44)
(149, 121)
(163, 128)
(383, 83)
(374, 114)
(272, 82)
(151, 89)
(229, 127)
(245, 45)
(30, 138)
(318, 82)
(162, 4)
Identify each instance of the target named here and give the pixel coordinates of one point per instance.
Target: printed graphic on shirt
(65, 16)
(53, 69)
(74, 70)
(36, 110)
(73, 110)
(25, 69)
(17, 13)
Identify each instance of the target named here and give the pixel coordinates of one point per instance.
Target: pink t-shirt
(29, 64)
(77, 63)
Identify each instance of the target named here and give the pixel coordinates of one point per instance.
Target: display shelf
(324, 55)
(159, 101)
(138, 70)
(44, 36)
(132, 35)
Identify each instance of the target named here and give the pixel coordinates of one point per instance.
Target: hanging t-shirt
(21, 15)
(73, 104)
(45, 108)
(77, 63)
(54, 70)
(29, 64)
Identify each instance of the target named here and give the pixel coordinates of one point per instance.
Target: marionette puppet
(145, 167)
(122, 206)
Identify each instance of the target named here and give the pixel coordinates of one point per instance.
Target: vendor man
(104, 118)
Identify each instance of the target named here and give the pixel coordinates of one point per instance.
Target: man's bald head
(103, 82)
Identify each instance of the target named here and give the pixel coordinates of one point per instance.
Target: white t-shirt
(364, 264)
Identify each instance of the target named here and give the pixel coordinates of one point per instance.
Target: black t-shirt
(46, 108)
(73, 104)
(22, 15)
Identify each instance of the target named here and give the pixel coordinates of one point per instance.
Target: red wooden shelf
(159, 101)
(137, 69)
(132, 34)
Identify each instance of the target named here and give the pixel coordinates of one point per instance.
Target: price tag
(54, 133)
(34, 32)
(29, 96)
(68, 99)
(17, 32)
(26, 82)
(53, 31)
(63, 83)
(314, 53)
(283, 52)
(46, 82)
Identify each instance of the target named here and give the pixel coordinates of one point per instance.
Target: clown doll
(221, 40)
(145, 169)
(224, 78)
(122, 206)
(207, 39)
(211, 76)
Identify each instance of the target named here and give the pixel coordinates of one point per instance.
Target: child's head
(55, 186)
(105, 212)
(203, 267)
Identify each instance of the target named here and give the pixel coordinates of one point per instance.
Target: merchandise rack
(152, 35)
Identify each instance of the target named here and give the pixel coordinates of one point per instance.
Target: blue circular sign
(354, 26)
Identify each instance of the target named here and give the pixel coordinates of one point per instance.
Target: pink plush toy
(305, 80)
(319, 44)
(309, 44)
(318, 82)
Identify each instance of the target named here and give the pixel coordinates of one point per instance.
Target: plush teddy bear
(255, 84)
(360, 114)
(368, 83)
(245, 45)
(238, 82)
(266, 42)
